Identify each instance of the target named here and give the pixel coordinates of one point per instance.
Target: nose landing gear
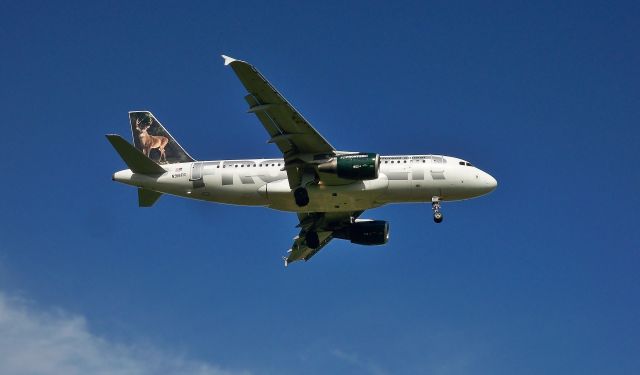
(435, 206)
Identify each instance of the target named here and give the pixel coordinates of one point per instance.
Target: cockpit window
(469, 164)
(461, 162)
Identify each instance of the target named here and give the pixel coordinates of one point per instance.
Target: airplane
(328, 189)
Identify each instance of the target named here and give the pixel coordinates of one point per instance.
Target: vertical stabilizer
(154, 141)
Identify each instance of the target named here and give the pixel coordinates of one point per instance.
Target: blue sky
(538, 277)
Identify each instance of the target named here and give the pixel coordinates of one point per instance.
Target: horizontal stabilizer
(146, 198)
(134, 158)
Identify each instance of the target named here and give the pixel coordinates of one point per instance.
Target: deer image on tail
(150, 142)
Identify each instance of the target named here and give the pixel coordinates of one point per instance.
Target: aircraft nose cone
(491, 182)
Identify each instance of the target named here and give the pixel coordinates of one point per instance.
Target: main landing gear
(435, 206)
(313, 241)
(301, 196)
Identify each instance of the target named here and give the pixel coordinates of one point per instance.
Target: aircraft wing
(325, 224)
(288, 129)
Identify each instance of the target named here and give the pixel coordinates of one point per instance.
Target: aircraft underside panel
(360, 195)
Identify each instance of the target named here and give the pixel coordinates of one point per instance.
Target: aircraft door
(437, 167)
(438, 177)
(418, 187)
(196, 171)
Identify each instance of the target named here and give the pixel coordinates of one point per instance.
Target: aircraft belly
(209, 188)
(360, 195)
(427, 191)
(244, 192)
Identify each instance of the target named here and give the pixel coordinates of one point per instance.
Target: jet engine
(365, 232)
(361, 166)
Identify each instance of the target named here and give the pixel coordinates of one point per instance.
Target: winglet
(228, 60)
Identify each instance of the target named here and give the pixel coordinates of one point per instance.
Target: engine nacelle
(365, 232)
(361, 166)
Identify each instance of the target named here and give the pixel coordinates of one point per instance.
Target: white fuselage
(263, 182)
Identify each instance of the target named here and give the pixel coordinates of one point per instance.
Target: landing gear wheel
(301, 196)
(312, 240)
(435, 206)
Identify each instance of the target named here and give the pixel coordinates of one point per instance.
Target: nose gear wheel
(435, 206)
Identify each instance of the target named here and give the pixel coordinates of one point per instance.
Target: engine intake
(361, 166)
(365, 232)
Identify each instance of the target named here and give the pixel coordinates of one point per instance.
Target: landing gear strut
(301, 196)
(437, 214)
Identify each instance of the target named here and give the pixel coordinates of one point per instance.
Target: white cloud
(37, 343)
(364, 365)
